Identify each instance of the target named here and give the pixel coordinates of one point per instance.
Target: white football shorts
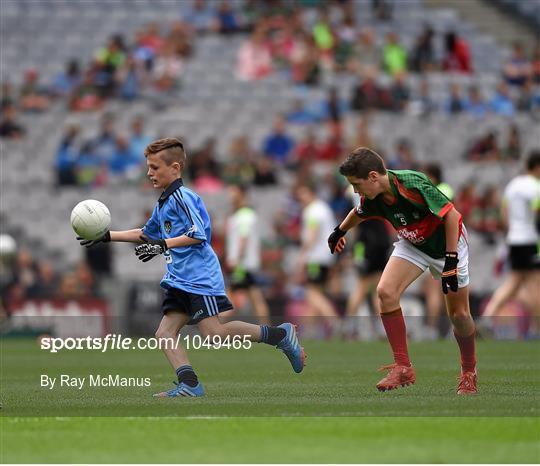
(405, 250)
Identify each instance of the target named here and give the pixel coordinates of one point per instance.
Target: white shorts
(405, 250)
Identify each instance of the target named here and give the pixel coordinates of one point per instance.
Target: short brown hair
(360, 162)
(172, 150)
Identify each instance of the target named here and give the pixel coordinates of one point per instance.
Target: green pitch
(258, 410)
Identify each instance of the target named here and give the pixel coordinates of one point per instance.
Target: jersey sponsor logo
(168, 226)
(413, 236)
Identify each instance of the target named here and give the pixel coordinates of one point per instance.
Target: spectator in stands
(179, 39)
(366, 53)
(299, 114)
(517, 68)
(332, 148)
(46, 285)
(305, 67)
(362, 136)
(394, 55)
(66, 158)
(278, 145)
(26, 273)
(203, 164)
(345, 39)
(91, 169)
(382, 9)
(535, 65)
(368, 95)
(201, 16)
(129, 79)
(307, 150)
(109, 58)
(324, 37)
(123, 165)
(455, 102)
(239, 168)
(340, 203)
(151, 39)
(104, 144)
(254, 58)
(502, 103)
(403, 158)
(65, 82)
(10, 128)
(458, 56)
(486, 215)
(529, 98)
(423, 56)
(138, 139)
(466, 201)
(512, 150)
(143, 51)
(399, 92)
(227, 19)
(86, 283)
(475, 104)
(421, 103)
(333, 107)
(86, 97)
(167, 69)
(33, 97)
(7, 97)
(485, 148)
(264, 173)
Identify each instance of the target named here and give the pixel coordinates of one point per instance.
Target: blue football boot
(291, 347)
(182, 389)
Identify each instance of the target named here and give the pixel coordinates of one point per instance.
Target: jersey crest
(168, 226)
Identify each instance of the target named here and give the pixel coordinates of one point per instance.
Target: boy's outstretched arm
(451, 230)
(336, 241)
(154, 247)
(126, 236)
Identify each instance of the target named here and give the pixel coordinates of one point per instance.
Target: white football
(90, 219)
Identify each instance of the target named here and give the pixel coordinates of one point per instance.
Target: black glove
(150, 248)
(449, 275)
(92, 242)
(334, 240)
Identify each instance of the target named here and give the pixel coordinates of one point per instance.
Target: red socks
(468, 352)
(394, 325)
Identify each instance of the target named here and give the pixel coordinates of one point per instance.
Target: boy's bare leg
(397, 276)
(212, 326)
(168, 329)
(508, 289)
(457, 306)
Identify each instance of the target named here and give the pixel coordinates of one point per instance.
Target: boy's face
(369, 187)
(161, 175)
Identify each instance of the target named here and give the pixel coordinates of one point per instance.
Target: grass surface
(266, 413)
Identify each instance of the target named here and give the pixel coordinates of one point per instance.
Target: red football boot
(467, 384)
(396, 377)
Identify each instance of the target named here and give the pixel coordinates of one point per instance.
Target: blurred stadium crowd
(421, 73)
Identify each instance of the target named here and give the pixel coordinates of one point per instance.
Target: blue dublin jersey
(195, 269)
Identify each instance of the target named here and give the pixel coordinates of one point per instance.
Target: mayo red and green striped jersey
(416, 213)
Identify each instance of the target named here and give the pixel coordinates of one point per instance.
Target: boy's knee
(163, 333)
(387, 296)
(460, 313)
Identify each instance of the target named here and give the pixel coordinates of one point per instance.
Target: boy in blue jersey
(179, 229)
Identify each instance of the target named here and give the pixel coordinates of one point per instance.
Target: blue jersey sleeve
(151, 228)
(188, 207)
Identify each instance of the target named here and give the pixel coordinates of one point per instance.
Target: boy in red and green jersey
(431, 235)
